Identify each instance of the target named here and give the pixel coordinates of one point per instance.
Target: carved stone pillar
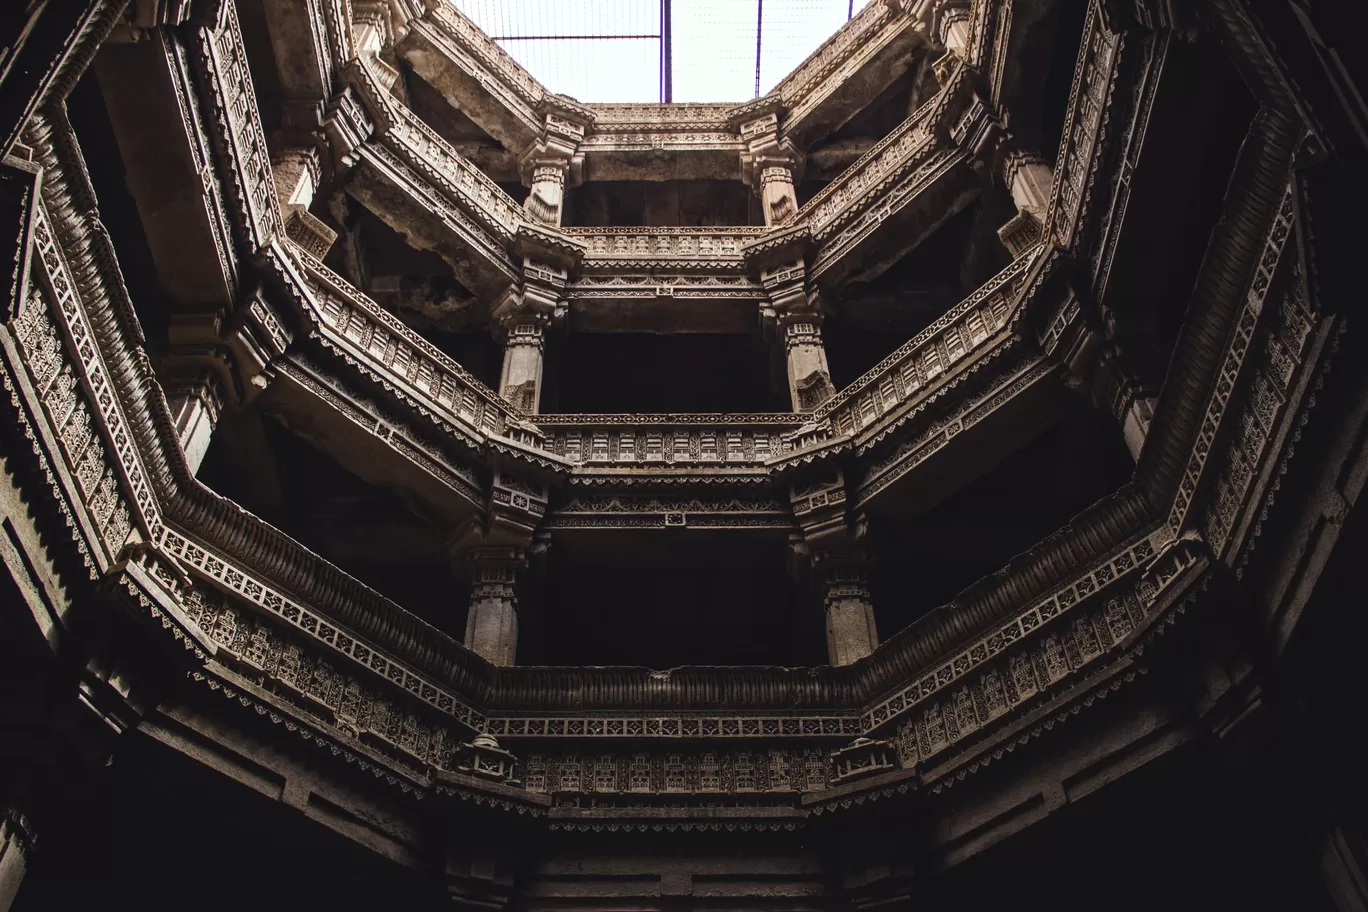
(492, 624)
(770, 163)
(792, 312)
(809, 378)
(1029, 179)
(520, 381)
(196, 399)
(850, 629)
(950, 25)
(17, 840)
(795, 314)
(297, 173)
(527, 309)
(554, 160)
(1121, 391)
(778, 199)
(830, 544)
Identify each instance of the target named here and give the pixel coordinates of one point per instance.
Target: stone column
(808, 377)
(1029, 179)
(520, 381)
(770, 164)
(850, 629)
(196, 399)
(546, 198)
(296, 178)
(778, 199)
(492, 624)
(554, 160)
(950, 24)
(795, 314)
(1121, 391)
(17, 840)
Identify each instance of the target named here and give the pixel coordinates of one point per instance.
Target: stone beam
(664, 280)
(475, 75)
(380, 448)
(304, 62)
(856, 64)
(168, 162)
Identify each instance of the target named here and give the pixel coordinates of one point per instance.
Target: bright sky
(562, 43)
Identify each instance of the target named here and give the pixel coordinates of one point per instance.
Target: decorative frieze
(667, 440)
(223, 59)
(724, 777)
(646, 511)
(676, 248)
(379, 712)
(677, 726)
(374, 337)
(1237, 349)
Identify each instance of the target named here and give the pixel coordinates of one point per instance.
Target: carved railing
(888, 160)
(648, 127)
(1088, 100)
(682, 246)
(432, 156)
(377, 340)
(505, 77)
(841, 55)
(916, 368)
(663, 441)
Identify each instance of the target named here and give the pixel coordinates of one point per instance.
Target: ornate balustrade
(375, 339)
(822, 74)
(711, 248)
(430, 155)
(450, 32)
(666, 441)
(920, 366)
